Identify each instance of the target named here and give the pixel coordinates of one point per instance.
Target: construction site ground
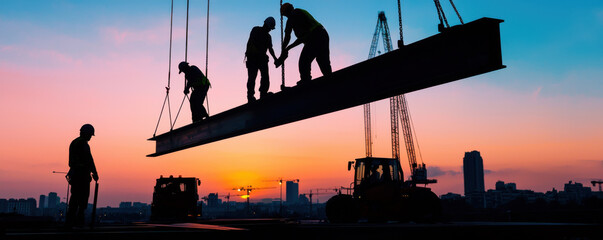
(308, 229)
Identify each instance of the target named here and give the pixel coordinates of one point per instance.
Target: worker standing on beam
(314, 37)
(81, 165)
(259, 42)
(196, 80)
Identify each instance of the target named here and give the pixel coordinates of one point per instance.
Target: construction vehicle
(595, 182)
(381, 194)
(379, 190)
(175, 199)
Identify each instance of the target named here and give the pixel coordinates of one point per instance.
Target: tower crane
(248, 189)
(399, 115)
(380, 191)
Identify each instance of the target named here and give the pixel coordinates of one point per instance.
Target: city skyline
(66, 63)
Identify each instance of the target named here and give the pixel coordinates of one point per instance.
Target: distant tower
(292, 192)
(53, 200)
(473, 172)
(42, 202)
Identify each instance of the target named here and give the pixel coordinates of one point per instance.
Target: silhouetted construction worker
(81, 165)
(259, 42)
(314, 37)
(196, 80)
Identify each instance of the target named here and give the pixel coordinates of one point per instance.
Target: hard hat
(270, 22)
(181, 66)
(286, 8)
(87, 128)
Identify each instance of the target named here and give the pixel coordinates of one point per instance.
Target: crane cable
(186, 60)
(442, 16)
(167, 89)
(401, 42)
(283, 67)
(207, 53)
(457, 12)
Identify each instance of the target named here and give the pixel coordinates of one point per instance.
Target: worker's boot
(250, 98)
(265, 94)
(303, 81)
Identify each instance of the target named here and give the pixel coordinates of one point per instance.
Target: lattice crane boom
(399, 114)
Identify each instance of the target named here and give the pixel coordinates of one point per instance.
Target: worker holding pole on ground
(314, 37)
(256, 59)
(81, 167)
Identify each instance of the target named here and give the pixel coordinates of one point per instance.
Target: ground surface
(285, 229)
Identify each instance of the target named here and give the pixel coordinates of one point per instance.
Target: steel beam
(458, 52)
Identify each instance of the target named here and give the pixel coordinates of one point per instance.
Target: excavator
(380, 192)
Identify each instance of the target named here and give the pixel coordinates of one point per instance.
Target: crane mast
(398, 113)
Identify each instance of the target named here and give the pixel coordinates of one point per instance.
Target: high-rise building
(25, 207)
(125, 204)
(42, 202)
(292, 192)
(473, 173)
(53, 200)
(213, 201)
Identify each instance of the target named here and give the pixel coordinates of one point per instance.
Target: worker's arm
(271, 51)
(186, 86)
(287, 38)
(94, 172)
(294, 44)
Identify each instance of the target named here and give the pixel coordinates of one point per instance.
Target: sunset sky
(538, 122)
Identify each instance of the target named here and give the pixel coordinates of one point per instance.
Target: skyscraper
(53, 200)
(292, 192)
(473, 172)
(42, 202)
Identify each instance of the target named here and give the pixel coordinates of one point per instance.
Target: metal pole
(281, 198)
(67, 199)
(93, 220)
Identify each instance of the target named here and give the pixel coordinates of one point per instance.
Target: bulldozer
(380, 194)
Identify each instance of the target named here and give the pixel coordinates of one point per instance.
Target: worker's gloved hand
(281, 59)
(186, 91)
(95, 176)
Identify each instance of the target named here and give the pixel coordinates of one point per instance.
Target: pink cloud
(153, 36)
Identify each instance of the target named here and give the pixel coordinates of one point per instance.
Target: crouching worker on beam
(196, 80)
(259, 42)
(314, 37)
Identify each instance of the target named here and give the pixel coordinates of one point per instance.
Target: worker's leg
(72, 210)
(78, 202)
(196, 101)
(305, 62)
(252, 73)
(83, 204)
(323, 57)
(265, 79)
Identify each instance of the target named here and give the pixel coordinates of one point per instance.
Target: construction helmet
(182, 66)
(286, 8)
(270, 22)
(87, 128)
